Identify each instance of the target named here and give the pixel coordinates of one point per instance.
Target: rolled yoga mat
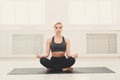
(76, 70)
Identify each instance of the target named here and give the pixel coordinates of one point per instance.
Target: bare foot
(49, 69)
(67, 69)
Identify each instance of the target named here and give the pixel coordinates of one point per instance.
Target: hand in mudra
(38, 56)
(75, 55)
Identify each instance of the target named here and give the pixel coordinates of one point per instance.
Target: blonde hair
(57, 24)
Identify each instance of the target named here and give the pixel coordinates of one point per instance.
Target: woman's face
(58, 28)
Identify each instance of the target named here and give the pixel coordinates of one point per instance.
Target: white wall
(56, 10)
(76, 37)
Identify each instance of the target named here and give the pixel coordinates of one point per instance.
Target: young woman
(59, 47)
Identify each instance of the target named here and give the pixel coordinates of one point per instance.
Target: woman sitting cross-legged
(61, 59)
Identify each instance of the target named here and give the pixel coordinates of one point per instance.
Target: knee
(72, 60)
(43, 60)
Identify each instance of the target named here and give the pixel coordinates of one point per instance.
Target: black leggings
(57, 63)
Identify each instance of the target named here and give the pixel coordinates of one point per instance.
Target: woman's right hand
(38, 55)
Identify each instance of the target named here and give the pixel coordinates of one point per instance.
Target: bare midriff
(58, 54)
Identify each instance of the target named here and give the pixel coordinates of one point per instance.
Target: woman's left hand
(75, 55)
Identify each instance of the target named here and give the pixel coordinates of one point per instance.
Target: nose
(59, 30)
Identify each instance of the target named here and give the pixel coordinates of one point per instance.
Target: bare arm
(47, 50)
(68, 50)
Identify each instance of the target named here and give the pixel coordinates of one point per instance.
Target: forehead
(58, 25)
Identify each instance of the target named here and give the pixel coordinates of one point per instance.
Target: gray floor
(76, 70)
(7, 65)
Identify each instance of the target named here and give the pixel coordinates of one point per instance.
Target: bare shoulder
(49, 40)
(67, 40)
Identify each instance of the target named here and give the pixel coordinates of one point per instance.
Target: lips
(58, 31)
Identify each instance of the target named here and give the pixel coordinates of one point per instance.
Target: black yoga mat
(76, 70)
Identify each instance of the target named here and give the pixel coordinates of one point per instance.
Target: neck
(58, 35)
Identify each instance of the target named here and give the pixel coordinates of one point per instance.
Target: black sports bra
(55, 47)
